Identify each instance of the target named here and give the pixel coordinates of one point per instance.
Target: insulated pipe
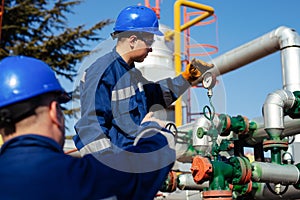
(186, 182)
(273, 110)
(291, 128)
(282, 38)
(290, 59)
(274, 173)
(285, 39)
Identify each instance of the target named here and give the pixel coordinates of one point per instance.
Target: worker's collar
(31, 140)
(116, 55)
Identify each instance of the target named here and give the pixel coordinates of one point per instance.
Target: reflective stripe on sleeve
(122, 93)
(95, 146)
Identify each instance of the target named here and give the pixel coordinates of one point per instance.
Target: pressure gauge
(209, 80)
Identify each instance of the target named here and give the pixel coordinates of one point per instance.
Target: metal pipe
(288, 42)
(177, 41)
(273, 110)
(279, 39)
(284, 177)
(290, 68)
(274, 173)
(291, 128)
(186, 182)
(290, 59)
(283, 38)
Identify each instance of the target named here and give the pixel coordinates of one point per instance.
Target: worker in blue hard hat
(33, 164)
(117, 102)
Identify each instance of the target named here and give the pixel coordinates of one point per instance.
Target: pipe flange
(269, 144)
(246, 169)
(217, 194)
(170, 184)
(244, 189)
(247, 125)
(242, 169)
(226, 125)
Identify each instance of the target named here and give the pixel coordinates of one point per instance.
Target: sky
(238, 22)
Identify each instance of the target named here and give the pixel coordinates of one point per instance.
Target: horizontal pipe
(186, 182)
(207, 12)
(291, 128)
(274, 173)
(278, 39)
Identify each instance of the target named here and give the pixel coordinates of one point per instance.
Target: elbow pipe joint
(274, 110)
(288, 37)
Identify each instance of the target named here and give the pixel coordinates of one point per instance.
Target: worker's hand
(195, 69)
(149, 117)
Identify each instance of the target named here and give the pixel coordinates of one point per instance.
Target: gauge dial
(209, 80)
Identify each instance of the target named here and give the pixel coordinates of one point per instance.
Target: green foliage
(39, 28)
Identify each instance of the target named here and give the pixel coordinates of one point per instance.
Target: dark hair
(14, 113)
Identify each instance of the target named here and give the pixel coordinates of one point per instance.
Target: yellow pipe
(177, 43)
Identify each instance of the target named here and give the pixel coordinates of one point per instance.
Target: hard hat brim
(159, 33)
(64, 98)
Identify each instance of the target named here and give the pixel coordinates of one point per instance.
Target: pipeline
(273, 108)
(280, 119)
(282, 38)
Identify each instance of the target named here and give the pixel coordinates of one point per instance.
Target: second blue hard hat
(137, 18)
(25, 77)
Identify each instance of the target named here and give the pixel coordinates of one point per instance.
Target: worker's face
(142, 47)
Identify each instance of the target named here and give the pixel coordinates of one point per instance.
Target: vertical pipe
(177, 43)
(290, 58)
(177, 60)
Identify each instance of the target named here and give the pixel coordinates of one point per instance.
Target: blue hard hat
(23, 77)
(137, 18)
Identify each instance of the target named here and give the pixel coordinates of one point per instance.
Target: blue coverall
(35, 167)
(115, 98)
